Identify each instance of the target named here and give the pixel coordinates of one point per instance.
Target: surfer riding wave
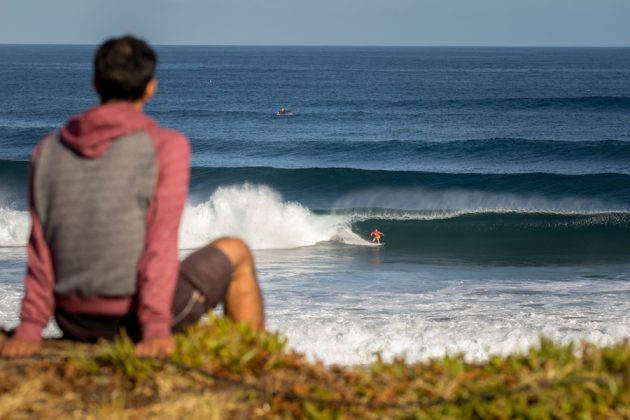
(376, 236)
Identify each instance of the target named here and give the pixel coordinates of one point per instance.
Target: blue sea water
(500, 177)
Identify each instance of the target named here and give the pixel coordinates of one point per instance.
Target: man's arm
(159, 266)
(38, 302)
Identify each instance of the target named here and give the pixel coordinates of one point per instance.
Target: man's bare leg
(243, 300)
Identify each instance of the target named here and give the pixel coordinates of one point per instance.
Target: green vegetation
(222, 370)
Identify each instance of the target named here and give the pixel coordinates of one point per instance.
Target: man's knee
(235, 249)
(243, 300)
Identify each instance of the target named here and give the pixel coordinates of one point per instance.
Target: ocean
(499, 176)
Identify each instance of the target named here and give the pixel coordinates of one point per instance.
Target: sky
(320, 22)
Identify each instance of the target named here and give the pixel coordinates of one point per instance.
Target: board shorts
(204, 278)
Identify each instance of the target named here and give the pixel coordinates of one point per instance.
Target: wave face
(483, 227)
(265, 220)
(542, 232)
(508, 238)
(515, 218)
(13, 184)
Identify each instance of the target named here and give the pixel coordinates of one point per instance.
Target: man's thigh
(204, 278)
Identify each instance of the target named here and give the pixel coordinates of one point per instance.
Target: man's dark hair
(123, 67)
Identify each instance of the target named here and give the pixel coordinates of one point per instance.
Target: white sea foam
(258, 214)
(15, 226)
(342, 342)
(477, 319)
(10, 298)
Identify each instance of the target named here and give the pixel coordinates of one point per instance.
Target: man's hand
(156, 347)
(18, 347)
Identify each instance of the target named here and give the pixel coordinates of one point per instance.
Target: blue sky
(321, 22)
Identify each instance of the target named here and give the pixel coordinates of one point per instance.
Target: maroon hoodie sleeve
(38, 302)
(159, 265)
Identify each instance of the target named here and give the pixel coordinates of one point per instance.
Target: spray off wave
(257, 214)
(452, 202)
(15, 226)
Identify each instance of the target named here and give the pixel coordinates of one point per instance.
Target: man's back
(93, 211)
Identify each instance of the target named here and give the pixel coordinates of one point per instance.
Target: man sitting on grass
(106, 198)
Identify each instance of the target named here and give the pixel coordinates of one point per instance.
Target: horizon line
(318, 45)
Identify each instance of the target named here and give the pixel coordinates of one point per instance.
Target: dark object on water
(284, 112)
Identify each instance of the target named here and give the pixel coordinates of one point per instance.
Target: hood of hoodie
(90, 134)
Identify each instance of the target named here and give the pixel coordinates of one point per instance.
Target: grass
(223, 370)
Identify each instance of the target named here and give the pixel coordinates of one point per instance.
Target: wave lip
(446, 201)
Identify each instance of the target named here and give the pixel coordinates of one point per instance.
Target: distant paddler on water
(284, 112)
(377, 236)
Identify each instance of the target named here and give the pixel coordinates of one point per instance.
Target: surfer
(377, 236)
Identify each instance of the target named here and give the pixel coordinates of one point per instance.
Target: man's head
(124, 70)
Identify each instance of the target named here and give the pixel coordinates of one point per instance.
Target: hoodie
(90, 135)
